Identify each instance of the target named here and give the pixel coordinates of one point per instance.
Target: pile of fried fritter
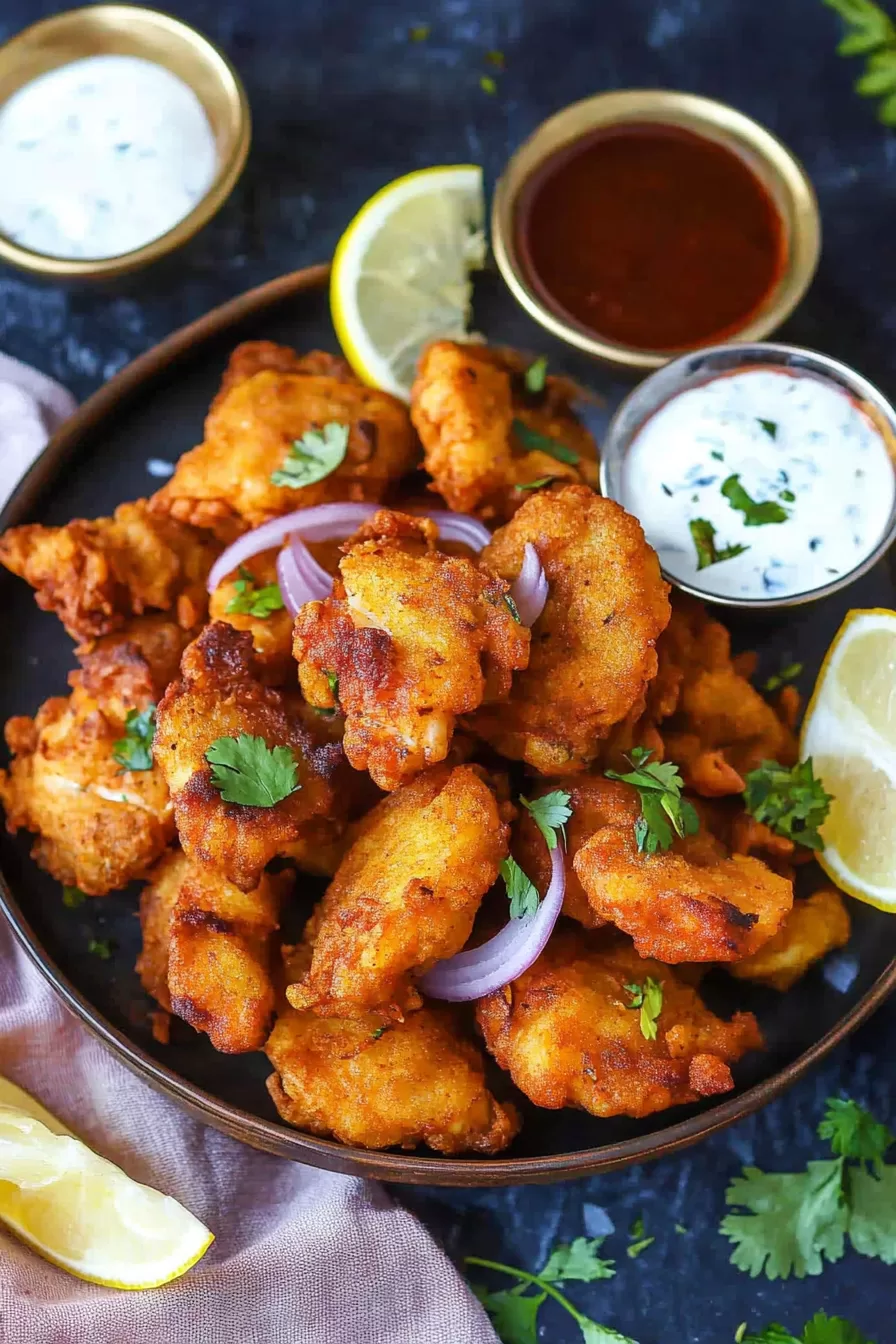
(413, 709)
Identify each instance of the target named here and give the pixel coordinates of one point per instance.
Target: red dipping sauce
(650, 236)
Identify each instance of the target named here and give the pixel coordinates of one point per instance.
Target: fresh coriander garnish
(134, 750)
(550, 813)
(788, 496)
(795, 1221)
(663, 810)
(248, 600)
(533, 442)
(333, 683)
(72, 897)
(101, 947)
(648, 997)
(247, 771)
(513, 608)
(488, 85)
(636, 1247)
(756, 512)
(822, 1329)
(788, 799)
(313, 456)
(536, 374)
(872, 34)
(719, 457)
(521, 890)
(704, 537)
(770, 426)
(537, 485)
(378, 1032)
(681, 1229)
(789, 672)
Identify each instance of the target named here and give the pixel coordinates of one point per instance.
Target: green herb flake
(789, 800)
(740, 1332)
(534, 442)
(420, 32)
(788, 496)
(537, 485)
(769, 426)
(719, 457)
(101, 947)
(550, 813)
(72, 897)
(513, 608)
(648, 997)
(537, 374)
(704, 537)
(681, 1229)
(333, 683)
(312, 457)
(664, 813)
(872, 34)
(250, 773)
(757, 513)
(249, 600)
(637, 1247)
(134, 750)
(521, 890)
(378, 1032)
(488, 85)
(778, 679)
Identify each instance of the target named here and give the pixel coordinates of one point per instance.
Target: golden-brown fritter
(592, 651)
(568, 1035)
(813, 928)
(405, 895)
(207, 950)
(689, 903)
(412, 638)
(417, 1081)
(225, 483)
(253, 357)
(466, 404)
(271, 633)
(219, 694)
(96, 575)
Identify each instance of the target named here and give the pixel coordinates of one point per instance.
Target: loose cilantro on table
(521, 890)
(249, 772)
(249, 600)
(703, 535)
(822, 1329)
(550, 813)
(788, 799)
(756, 512)
(536, 374)
(648, 997)
(313, 456)
(101, 947)
(769, 426)
(72, 897)
(794, 1222)
(488, 85)
(789, 672)
(663, 810)
(872, 34)
(134, 750)
(534, 442)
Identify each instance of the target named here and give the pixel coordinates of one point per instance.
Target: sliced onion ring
(460, 527)
(300, 577)
(482, 970)
(530, 589)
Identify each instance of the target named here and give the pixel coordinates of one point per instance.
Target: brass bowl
(129, 30)
(776, 168)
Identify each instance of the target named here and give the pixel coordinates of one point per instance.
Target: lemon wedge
(850, 733)
(401, 272)
(83, 1213)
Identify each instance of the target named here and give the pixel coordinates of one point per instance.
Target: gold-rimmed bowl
(777, 169)
(131, 30)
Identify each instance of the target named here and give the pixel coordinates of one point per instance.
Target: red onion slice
(458, 527)
(530, 590)
(474, 974)
(316, 524)
(300, 583)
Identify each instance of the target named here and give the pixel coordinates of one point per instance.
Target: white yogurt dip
(101, 156)
(762, 483)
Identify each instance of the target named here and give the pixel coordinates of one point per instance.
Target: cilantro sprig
(788, 799)
(134, 750)
(871, 33)
(72, 897)
(664, 813)
(756, 512)
(550, 813)
(792, 1222)
(249, 772)
(648, 997)
(822, 1329)
(313, 456)
(521, 890)
(703, 535)
(250, 600)
(534, 442)
(537, 484)
(537, 375)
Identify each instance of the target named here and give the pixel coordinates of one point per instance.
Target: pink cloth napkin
(301, 1256)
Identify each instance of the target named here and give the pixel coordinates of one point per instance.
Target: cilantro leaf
(663, 810)
(872, 34)
(791, 801)
(577, 1262)
(853, 1132)
(101, 947)
(770, 426)
(635, 1249)
(249, 600)
(772, 1334)
(514, 1313)
(513, 608)
(593, 1333)
(487, 84)
(533, 442)
(536, 374)
(704, 537)
(824, 1329)
(756, 513)
(313, 456)
(521, 890)
(872, 1218)
(537, 484)
(794, 1221)
(134, 750)
(789, 672)
(249, 772)
(550, 813)
(649, 999)
(72, 897)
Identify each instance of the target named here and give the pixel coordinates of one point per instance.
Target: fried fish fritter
(207, 950)
(270, 628)
(568, 1035)
(592, 651)
(219, 694)
(412, 638)
(97, 575)
(404, 896)
(689, 903)
(471, 408)
(225, 483)
(417, 1081)
(813, 928)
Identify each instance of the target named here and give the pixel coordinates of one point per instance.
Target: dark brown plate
(155, 408)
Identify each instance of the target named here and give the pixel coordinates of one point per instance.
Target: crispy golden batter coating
(405, 895)
(225, 484)
(414, 638)
(464, 404)
(813, 928)
(219, 694)
(592, 649)
(567, 1034)
(417, 1081)
(207, 951)
(99, 827)
(257, 356)
(689, 903)
(272, 634)
(96, 575)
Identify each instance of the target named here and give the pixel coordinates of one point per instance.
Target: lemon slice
(850, 733)
(401, 273)
(84, 1214)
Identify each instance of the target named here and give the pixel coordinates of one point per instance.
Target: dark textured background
(343, 101)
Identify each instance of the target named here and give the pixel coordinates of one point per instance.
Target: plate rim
(270, 1136)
